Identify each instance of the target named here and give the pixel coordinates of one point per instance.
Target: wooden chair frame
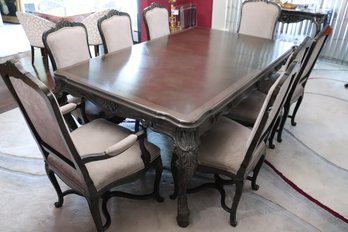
(111, 14)
(10, 72)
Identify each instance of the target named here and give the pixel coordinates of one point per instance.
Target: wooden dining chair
(91, 24)
(259, 18)
(34, 27)
(298, 92)
(247, 110)
(156, 19)
(91, 160)
(67, 44)
(231, 151)
(115, 30)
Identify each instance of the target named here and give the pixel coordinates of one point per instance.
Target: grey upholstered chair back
(41, 111)
(319, 42)
(270, 110)
(259, 18)
(115, 29)
(156, 20)
(67, 44)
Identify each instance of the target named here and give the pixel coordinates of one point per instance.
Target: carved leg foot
(257, 168)
(236, 199)
(56, 186)
(298, 103)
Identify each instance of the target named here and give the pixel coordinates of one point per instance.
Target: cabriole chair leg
(94, 208)
(56, 186)
(32, 54)
(257, 168)
(159, 170)
(282, 122)
(175, 176)
(298, 103)
(236, 199)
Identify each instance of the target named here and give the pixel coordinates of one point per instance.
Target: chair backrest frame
(270, 110)
(319, 42)
(19, 84)
(148, 26)
(103, 35)
(256, 21)
(60, 26)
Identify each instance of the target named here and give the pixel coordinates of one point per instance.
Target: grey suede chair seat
(107, 171)
(91, 160)
(224, 139)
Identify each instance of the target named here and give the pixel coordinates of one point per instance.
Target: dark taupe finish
(317, 17)
(178, 84)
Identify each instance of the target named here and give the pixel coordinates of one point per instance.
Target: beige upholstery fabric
(117, 32)
(106, 171)
(34, 27)
(259, 19)
(223, 146)
(157, 22)
(68, 46)
(92, 28)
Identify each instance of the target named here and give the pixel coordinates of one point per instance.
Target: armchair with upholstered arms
(67, 44)
(91, 24)
(34, 27)
(91, 160)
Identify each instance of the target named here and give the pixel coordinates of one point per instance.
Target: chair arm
(114, 149)
(67, 108)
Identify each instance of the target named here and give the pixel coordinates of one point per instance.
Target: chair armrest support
(114, 149)
(67, 108)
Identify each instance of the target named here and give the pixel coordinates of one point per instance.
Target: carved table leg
(186, 148)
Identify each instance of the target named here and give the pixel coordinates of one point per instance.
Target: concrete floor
(312, 156)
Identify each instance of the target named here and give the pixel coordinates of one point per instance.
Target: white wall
(219, 14)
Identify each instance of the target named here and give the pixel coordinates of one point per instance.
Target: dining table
(178, 85)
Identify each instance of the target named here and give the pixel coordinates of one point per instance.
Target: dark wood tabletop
(183, 75)
(178, 84)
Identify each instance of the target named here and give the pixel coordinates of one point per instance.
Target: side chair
(34, 27)
(246, 112)
(231, 152)
(115, 30)
(156, 19)
(259, 18)
(298, 92)
(91, 160)
(91, 24)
